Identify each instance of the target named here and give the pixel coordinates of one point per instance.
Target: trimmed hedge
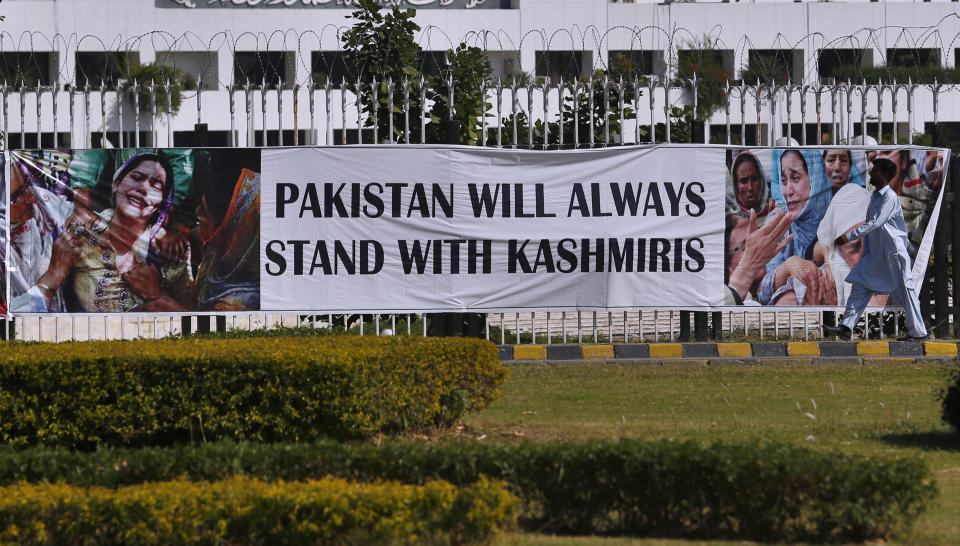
(165, 392)
(248, 511)
(764, 492)
(950, 400)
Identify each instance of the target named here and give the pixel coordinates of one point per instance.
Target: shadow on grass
(931, 440)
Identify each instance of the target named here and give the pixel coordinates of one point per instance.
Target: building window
(107, 67)
(273, 138)
(28, 141)
(563, 65)
(351, 136)
(332, 67)
(273, 68)
(432, 63)
(211, 139)
(913, 57)
(193, 65)
(840, 64)
(643, 62)
(113, 138)
(30, 69)
(705, 62)
(505, 64)
(774, 66)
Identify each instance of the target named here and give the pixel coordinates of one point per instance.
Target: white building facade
(58, 49)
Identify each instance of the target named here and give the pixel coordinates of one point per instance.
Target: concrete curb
(752, 361)
(724, 354)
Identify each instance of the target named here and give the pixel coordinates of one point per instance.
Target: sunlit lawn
(867, 410)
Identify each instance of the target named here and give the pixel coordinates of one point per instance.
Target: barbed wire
(26, 57)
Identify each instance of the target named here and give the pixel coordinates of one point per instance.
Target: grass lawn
(866, 410)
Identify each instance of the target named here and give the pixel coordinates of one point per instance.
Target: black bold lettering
(297, 255)
(674, 197)
(659, 248)
(286, 193)
(365, 263)
(276, 258)
(483, 202)
(596, 201)
(415, 256)
(695, 255)
(320, 252)
(586, 254)
(373, 200)
(544, 257)
(567, 256)
(619, 256)
(627, 200)
(418, 202)
(332, 199)
(653, 200)
(696, 199)
(578, 201)
(445, 203)
(311, 202)
(342, 256)
(516, 256)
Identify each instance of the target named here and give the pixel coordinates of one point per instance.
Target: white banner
(430, 228)
(351, 229)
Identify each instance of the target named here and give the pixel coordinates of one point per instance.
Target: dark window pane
(562, 65)
(96, 67)
(432, 63)
(331, 66)
(703, 60)
(29, 68)
(772, 64)
(829, 60)
(258, 67)
(913, 57)
(640, 61)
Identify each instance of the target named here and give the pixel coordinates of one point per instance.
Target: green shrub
(249, 511)
(166, 392)
(950, 400)
(753, 491)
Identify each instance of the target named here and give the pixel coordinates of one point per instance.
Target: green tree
(164, 78)
(381, 46)
(704, 59)
(576, 110)
(767, 68)
(471, 71)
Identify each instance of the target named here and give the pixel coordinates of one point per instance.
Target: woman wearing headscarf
(802, 190)
(91, 274)
(747, 188)
(842, 169)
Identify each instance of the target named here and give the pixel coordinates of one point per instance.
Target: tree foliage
(381, 46)
(470, 71)
(165, 79)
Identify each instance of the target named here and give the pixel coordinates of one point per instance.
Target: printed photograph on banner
(131, 230)
(786, 207)
(3, 236)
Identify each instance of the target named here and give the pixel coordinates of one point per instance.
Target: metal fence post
(940, 260)
(684, 334)
(698, 134)
(955, 238)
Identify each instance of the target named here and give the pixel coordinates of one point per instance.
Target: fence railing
(581, 113)
(594, 112)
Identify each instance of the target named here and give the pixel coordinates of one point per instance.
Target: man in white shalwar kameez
(886, 266)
